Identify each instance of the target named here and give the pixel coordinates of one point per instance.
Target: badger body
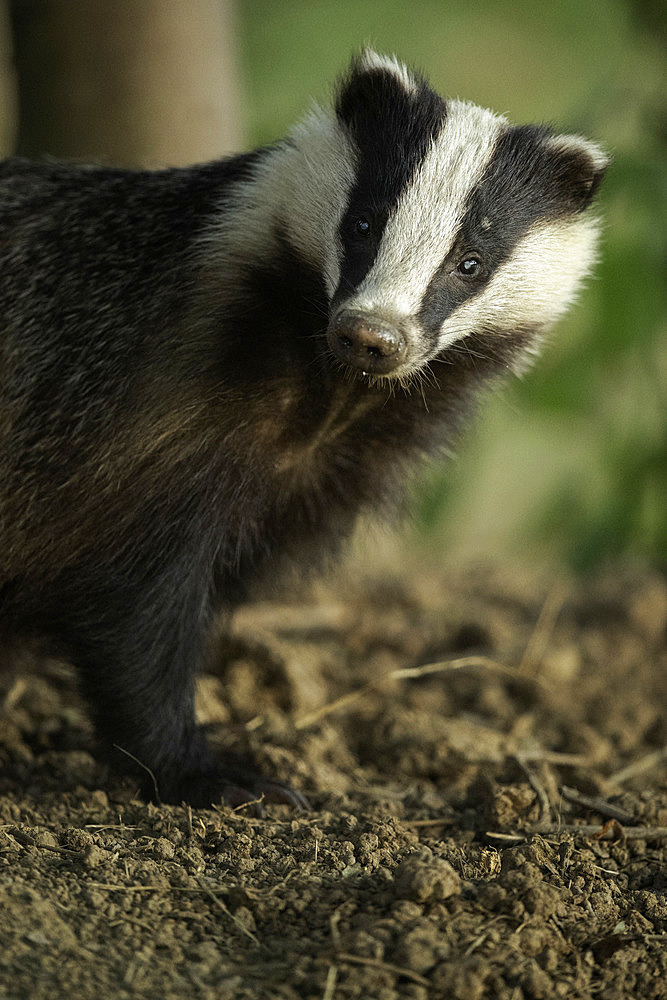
(207, 372)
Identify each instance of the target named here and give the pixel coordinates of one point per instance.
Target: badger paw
(238, 787)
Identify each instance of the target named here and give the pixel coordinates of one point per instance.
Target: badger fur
(208, 371)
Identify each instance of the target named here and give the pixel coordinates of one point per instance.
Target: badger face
(439, 221)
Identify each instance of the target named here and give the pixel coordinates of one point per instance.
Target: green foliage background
(571, 462)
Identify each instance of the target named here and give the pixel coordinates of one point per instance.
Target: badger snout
(370, 343)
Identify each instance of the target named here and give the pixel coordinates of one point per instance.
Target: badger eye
(469, 266)
(362, 226)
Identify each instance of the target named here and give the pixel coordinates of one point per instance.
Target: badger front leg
(136, 656)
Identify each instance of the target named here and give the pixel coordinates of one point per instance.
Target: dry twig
(599, 805)
(221, 906)
(646, 763)
(387, 966)
(405, 673)
(539, 640)
(538, 788)
(584, 830)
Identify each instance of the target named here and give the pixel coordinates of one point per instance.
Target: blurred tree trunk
(7, 85)
(129, 82)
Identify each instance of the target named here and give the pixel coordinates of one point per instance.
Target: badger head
(435, 221)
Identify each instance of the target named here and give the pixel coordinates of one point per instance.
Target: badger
(210, 372)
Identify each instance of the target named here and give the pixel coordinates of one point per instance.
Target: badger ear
(371, 81)
(370, 60)
(579, 166)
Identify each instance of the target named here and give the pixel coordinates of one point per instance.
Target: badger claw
(261, 793)
(237, 787)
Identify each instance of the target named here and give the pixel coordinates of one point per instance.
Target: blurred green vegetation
(571, 462)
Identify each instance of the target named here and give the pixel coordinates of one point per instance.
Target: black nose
(367, 342)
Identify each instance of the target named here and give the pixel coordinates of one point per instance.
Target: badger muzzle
(367, 342)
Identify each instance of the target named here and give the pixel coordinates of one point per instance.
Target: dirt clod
(422, 877)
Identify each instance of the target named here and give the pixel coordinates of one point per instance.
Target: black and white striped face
(438, 220)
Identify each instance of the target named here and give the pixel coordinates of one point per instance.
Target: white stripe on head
(421, 230)
(534, 286)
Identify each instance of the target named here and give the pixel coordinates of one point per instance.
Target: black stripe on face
(392, 129)
(525, 180)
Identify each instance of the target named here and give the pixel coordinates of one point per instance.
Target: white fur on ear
(374, 60)
(578, 145)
